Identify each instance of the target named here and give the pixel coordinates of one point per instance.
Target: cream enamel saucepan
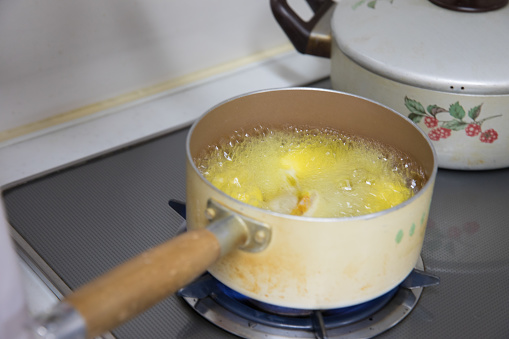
(442, 63)
(285, 260)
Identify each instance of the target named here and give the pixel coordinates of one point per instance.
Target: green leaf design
(434, 110)
(417, 113)
(399, 236)
(457, 111)
(455, 125)
(414, 107)
(357, 4)
(475, 112)
(415, 117)
(371, 4)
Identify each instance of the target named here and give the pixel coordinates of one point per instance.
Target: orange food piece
(302, 206)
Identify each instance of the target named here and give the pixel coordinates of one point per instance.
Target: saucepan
(280, 259)
(442, 63)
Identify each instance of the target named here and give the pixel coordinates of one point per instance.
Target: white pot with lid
(445, 69)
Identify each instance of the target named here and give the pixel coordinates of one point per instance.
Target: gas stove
(252, 319)
(75, 223)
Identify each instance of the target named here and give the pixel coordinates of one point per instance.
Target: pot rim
(430, 181)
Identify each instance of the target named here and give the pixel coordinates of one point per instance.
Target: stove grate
(249, 318)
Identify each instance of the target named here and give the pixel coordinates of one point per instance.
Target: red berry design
(441, 129)
(471, 227)
(434, 134)
(431, 223)
(473, 130)
(454, 232)
(489, 136)
(431, 122)
(444, 132)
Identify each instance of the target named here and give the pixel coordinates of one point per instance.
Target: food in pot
(310, 172)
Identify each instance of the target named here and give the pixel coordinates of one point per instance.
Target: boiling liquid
(318, 173)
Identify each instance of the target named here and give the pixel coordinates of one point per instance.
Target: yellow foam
(315, 173)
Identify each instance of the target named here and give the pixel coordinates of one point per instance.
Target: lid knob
(471, 5)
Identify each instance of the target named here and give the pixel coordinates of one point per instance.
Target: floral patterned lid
(421, 44)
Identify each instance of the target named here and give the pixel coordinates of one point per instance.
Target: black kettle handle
(300, 32)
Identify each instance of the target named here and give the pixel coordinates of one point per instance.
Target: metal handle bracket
(258, 233)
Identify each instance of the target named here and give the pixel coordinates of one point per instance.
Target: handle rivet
(260, 236)
(210, 213)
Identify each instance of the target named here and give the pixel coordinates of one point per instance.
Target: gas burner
(249, 318)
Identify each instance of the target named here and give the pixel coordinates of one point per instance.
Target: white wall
(59, 55)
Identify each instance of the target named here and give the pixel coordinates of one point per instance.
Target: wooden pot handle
(143, 281)
(140, 283)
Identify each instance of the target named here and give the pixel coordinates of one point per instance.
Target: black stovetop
(84, 220)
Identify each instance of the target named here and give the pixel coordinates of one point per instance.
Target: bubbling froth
(310, 172)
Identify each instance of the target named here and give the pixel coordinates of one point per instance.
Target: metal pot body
(464, 144)
(315, 263)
